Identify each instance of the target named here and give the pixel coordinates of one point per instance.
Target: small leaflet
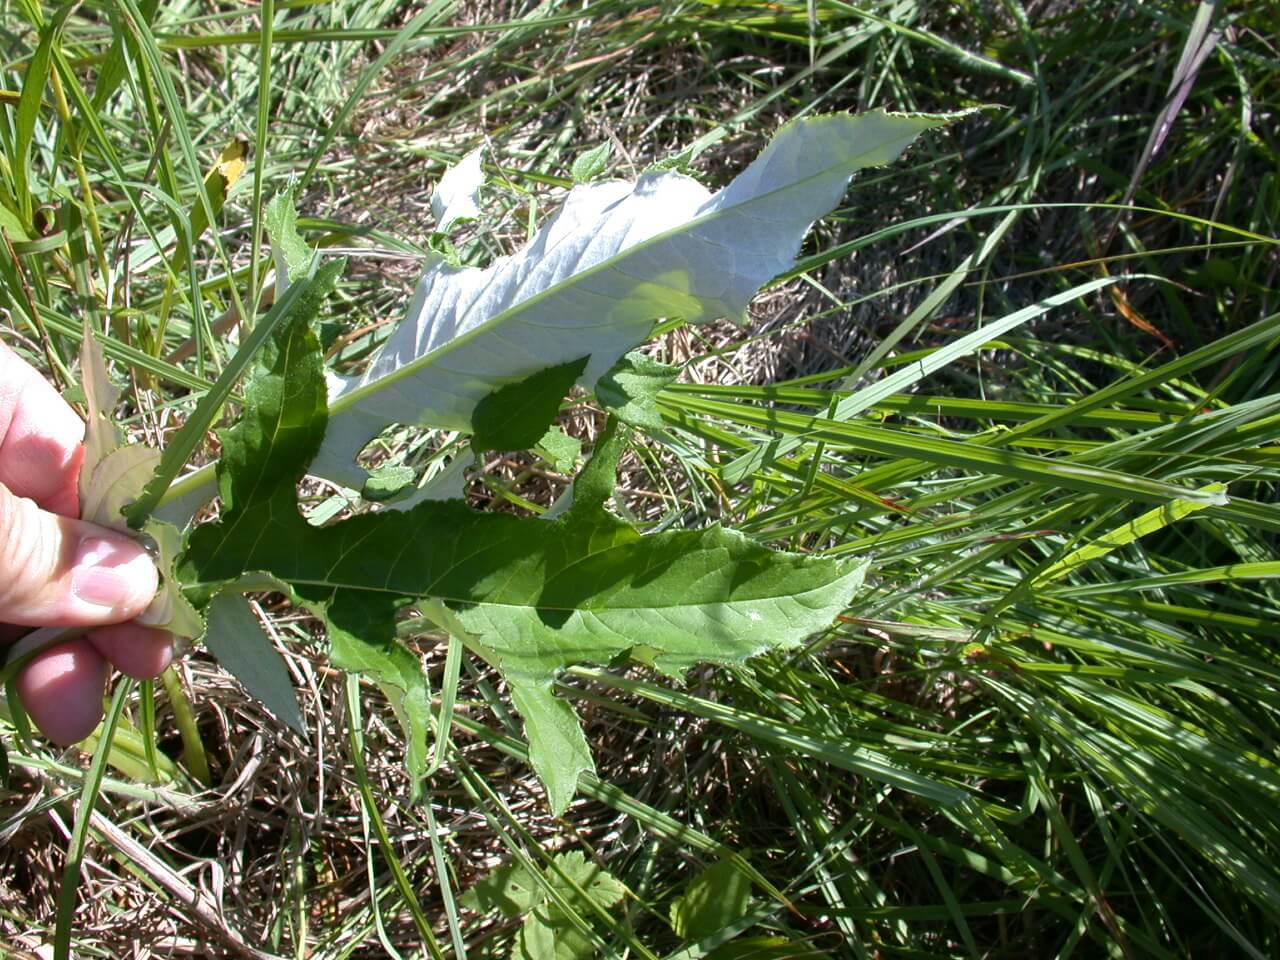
(591, 164)
(242, 647)
(457, 195)
(630, 390)
(292, 255)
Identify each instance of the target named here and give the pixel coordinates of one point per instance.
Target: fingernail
(110, 572)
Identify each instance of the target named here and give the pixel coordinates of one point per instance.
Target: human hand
(58, 571)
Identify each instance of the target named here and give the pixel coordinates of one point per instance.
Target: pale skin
(58, 571)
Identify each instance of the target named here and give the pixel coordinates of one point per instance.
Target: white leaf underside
(615, 258)
(456, 195)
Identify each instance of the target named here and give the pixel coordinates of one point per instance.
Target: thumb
(60, 572)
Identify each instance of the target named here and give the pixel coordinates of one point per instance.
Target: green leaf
(559, 449)
(531, 596)
(257, 473)
(547, 932)
(293, 256)
(714, 899)
(682, 162)
(386, 482)
(591, 163)
(587, 586)
(515, 891)
(363, 641)
(300, 303)
(584, 882)
(545, 935)
(239, 643)
(630, 390)
(510, 888)
(516, 416)
(558, 748)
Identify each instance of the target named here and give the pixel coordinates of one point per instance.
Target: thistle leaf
(530, 596)
(630, 390)
(509, 888)
(615, 258)
(293, 257)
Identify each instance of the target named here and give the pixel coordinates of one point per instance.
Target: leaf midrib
(332, 584)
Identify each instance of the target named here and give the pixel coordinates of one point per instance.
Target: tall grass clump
(1029, 373)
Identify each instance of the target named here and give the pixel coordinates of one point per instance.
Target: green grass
(1047, 728)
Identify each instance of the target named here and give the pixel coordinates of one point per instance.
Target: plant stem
(184, 717)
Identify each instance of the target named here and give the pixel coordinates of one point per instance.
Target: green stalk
(267, 15)
(184, 717)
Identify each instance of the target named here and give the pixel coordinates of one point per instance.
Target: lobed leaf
(547, 933)
(559, 449)
(630, 390)
(531, 596)
(510, 889)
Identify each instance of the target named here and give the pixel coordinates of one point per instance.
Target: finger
(55, 571)
(136, 651)
(40, 451)
(62, 690)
